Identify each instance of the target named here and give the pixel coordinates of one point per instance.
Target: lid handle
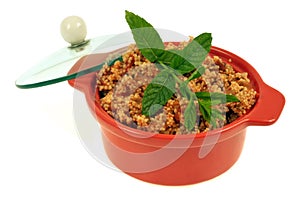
(73, 30)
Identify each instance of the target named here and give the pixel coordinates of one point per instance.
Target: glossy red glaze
(181, 159)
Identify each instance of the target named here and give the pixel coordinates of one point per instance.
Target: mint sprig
(173, 63)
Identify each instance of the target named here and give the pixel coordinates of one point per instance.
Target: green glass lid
(55, 67)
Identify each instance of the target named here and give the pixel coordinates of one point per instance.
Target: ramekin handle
(268, 107)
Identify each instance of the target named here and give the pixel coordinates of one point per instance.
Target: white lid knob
(73, 30)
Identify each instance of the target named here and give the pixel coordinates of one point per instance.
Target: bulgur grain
(122, 85)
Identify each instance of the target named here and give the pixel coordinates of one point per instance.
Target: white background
(41, 155)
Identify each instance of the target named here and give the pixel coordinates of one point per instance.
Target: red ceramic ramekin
(178, 159)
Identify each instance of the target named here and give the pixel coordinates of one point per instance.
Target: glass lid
(55, 68)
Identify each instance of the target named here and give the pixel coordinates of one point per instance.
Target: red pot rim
(266, 111)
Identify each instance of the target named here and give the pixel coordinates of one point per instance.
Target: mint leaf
(210, 114)
(192, 56)
(196, 51)
(154, 108)
(170, 59)
(165, 57)
(174, 60)
(190, 115)
(146, 37)
(231, 98)
(216, 98)
(217, 114)
(207, 100)
(204, 40)
(205, 109)
(158, 92)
